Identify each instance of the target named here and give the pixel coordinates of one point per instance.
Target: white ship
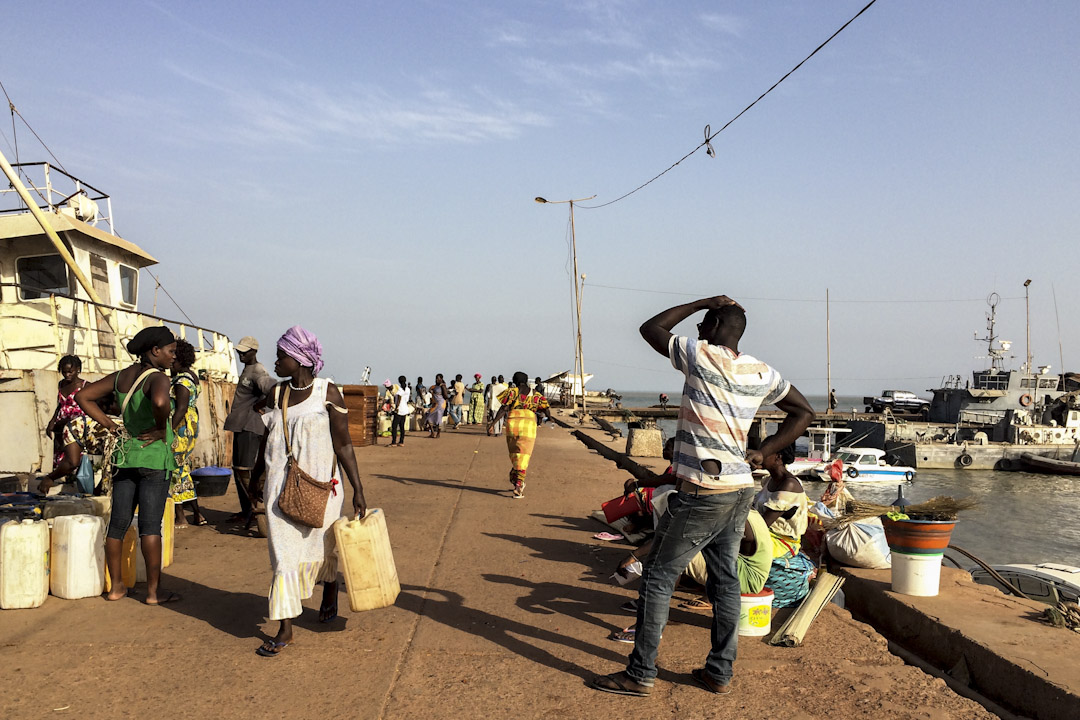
(69, 286)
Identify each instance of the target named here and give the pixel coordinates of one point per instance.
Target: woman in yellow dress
(520, 408)
(185, 422)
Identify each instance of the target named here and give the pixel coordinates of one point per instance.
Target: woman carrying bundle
(520, 408)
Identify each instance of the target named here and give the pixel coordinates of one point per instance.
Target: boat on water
(991, 420)
(1050, 583)
(1048, 465)
(69, 286)
(865, 465)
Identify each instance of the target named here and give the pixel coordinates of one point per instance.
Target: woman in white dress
(319, 437)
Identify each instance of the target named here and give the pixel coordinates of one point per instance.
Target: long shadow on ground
(450, 484)
(448, 608)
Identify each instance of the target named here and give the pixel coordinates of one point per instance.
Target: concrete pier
(505, 611)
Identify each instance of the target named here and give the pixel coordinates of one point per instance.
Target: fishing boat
(865, 465)
(69, 286)
(1048, 465)
(1049, 583)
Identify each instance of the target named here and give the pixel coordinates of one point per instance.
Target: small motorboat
(865, 465)
(1048, 465)
(1046, 582)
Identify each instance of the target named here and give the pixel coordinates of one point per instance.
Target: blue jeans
(709, 524)
(138, 487)
(455, 413)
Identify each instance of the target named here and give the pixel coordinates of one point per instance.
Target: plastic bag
(861, 544)
(84, 476)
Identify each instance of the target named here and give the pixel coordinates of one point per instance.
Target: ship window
(1049, 383)
(129, 285)
(1027, 382)
(41, 276)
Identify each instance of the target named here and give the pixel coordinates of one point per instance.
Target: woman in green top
(144, 457)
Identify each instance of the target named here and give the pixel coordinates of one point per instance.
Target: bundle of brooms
(938, 508)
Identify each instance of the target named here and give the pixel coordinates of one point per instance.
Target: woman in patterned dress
(70, 428)
(185, 422)
(520, 407)
(318, 429)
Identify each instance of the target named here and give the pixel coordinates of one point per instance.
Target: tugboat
(993, 419)
(69, 286)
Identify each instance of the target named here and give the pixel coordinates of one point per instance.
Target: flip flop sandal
(696, 604)
(629, 606)
(625, 636)
(271, 648)
(170, 598)
(619, 684)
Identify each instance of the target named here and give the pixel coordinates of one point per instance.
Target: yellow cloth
(520, 439)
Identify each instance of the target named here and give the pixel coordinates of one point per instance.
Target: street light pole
(1027, 322)
(579, 360)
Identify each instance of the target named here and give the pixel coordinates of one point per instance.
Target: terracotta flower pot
(918, 537)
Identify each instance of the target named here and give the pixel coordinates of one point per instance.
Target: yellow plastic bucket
(755, 613)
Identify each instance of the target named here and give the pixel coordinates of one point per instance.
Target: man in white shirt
(401, 413)
(722, 392)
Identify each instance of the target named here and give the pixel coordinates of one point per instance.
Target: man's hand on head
(721, 301)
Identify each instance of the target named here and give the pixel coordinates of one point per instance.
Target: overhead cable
(802, 300)
(709, 136)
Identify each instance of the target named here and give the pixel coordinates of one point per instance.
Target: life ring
(852, 472)
(965, 460)
(909, 476)
(1025, 400)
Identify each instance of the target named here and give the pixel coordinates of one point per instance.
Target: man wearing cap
(476, 401)
(245, 423)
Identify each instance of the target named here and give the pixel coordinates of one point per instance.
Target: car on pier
(898, 401)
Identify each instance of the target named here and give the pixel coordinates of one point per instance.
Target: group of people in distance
(514, 410)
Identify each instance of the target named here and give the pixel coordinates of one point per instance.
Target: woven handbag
(303, 498)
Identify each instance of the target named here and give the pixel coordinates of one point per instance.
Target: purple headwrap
(303, 347)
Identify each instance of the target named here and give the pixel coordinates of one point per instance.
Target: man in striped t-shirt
(722, 392)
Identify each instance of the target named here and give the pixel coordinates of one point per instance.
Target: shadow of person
(569, 523)
(547, 548)
(449, 484)
(232, 612)
(575, 601)
(448, 608)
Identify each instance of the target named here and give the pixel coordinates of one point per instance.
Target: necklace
(302, 389)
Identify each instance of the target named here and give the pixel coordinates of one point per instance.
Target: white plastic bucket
(918, 575)
(755, 613)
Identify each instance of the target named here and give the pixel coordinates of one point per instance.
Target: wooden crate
(363, 404)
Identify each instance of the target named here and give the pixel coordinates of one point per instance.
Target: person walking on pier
(722, 392)
(521, 408)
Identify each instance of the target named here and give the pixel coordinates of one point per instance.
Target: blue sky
(368, 170)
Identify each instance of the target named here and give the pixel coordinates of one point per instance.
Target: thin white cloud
(727, 24)
(230, 43)
(305, 114)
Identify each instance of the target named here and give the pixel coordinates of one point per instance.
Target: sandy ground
(505, 611)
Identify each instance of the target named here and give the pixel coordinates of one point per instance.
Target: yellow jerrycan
(366, 561)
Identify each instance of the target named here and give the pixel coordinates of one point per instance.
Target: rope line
(709, 136)
(190, 321)
(799, 300)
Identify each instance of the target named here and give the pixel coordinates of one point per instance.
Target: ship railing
(35, 334)
(54, 187)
